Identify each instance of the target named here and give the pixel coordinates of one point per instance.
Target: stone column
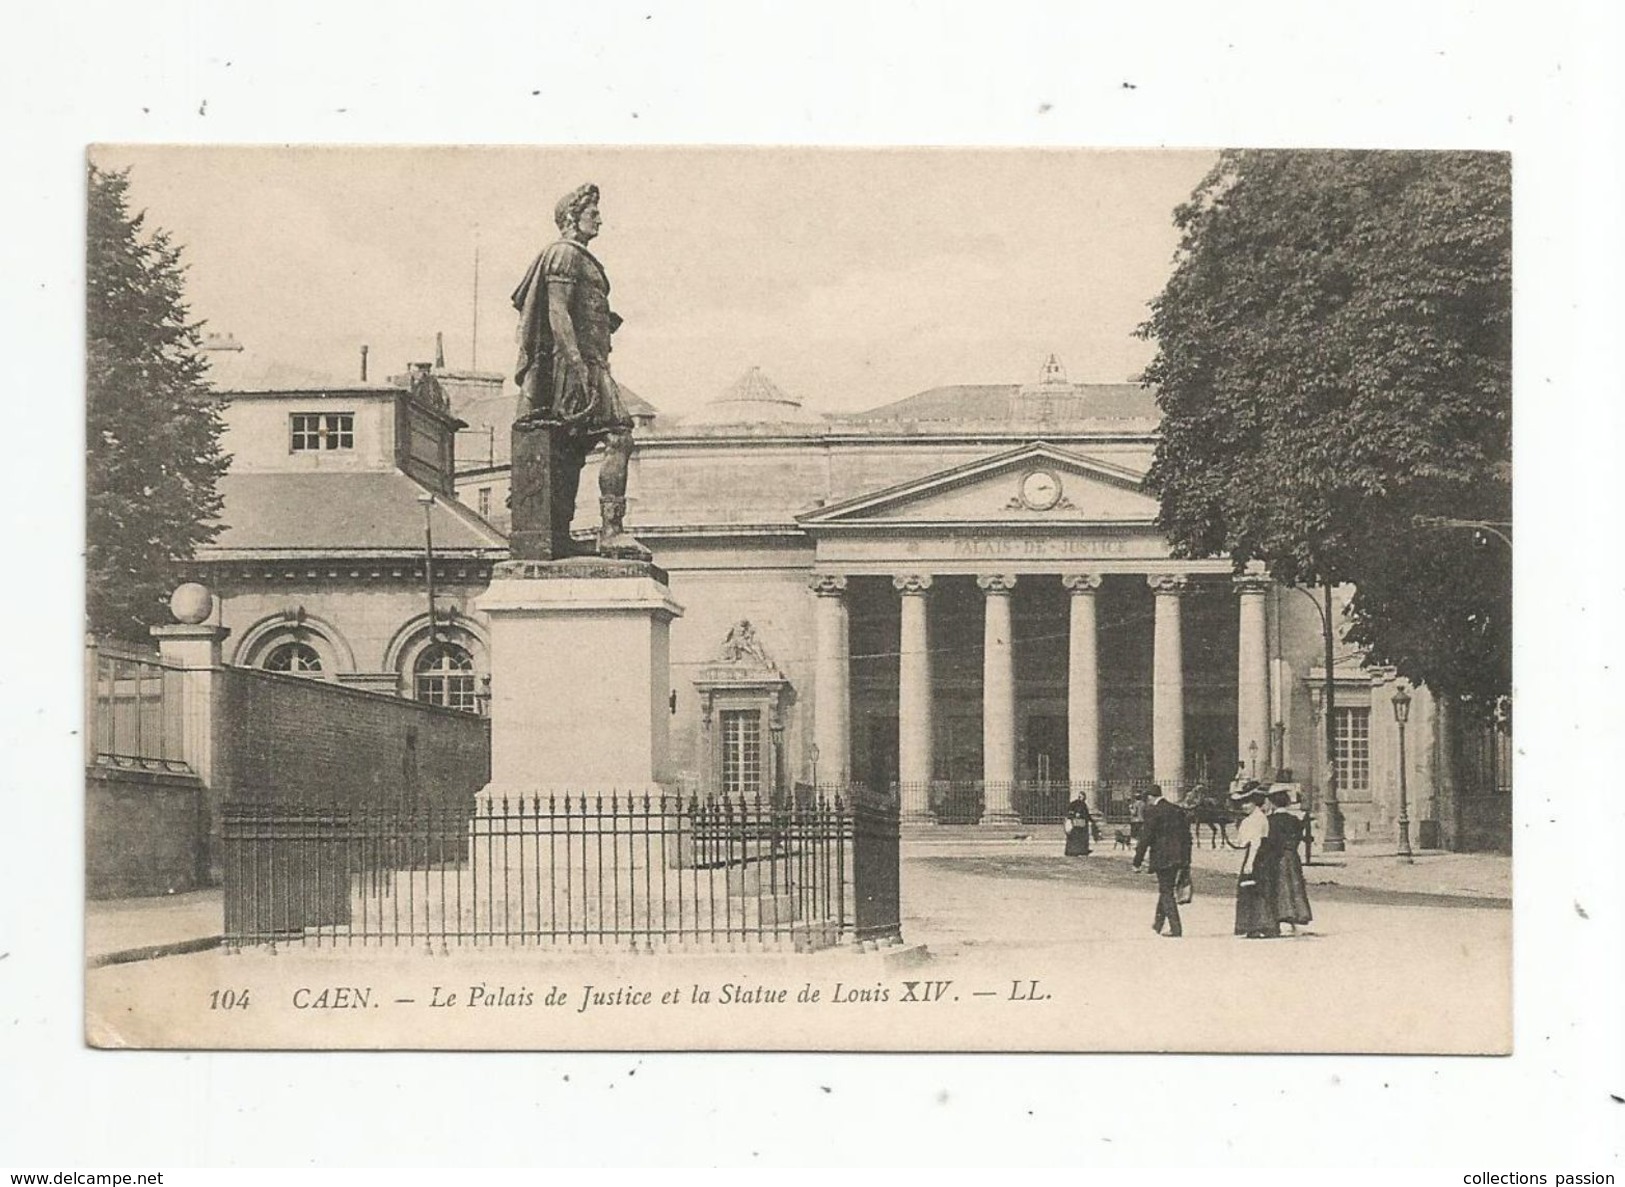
(1253, 679)
(832, 693)
(998, 700)
(914, 722)
(1083, 687)
(1167, 684)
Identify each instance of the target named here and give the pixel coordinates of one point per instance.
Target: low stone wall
(146, 832)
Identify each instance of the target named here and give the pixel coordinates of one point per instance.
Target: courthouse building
(961, 593)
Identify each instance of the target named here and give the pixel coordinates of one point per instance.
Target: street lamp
(775, 730)
(812, 753)
(427, 500)
(1252, 754)
(1333, 841)
(1402, 713)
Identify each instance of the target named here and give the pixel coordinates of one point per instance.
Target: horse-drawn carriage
(1212, 809)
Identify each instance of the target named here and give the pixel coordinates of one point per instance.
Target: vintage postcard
(791, 599)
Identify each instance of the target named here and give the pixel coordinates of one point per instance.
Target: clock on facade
(1040, 489)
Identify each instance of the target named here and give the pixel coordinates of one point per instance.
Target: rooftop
(754, 399)
(336, 514)
(1042, 403)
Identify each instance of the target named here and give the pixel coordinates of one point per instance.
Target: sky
(852, 278)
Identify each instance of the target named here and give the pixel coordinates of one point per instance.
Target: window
(741, 752)
(444, 675)
(1353, 750)
(298, 658)
(485, 501)
(323, 430)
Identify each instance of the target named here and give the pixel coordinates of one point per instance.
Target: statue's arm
(560, 322)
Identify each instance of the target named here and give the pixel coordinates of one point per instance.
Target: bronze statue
(569, 400)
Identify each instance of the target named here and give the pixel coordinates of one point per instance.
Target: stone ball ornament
(191, 603)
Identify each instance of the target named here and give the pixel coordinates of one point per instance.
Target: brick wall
(145, 833)
(288, 737)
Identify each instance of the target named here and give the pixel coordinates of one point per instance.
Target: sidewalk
(1363, 866)
(1376, 867)
(122, 930)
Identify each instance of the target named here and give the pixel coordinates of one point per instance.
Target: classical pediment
(1038, 485)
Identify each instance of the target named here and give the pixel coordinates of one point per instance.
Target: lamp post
(1252, 755)
(812, 753)
(427, 501)
(1316, 702)
(775, 731)
(1402, 712)
(1278, 732)
(1333, 841)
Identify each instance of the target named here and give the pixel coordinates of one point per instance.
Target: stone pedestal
(580, 677)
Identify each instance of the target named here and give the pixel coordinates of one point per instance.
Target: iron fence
(134, 711)
(649, 871)
(973, 801)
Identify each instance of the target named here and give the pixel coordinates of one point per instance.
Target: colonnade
(832, 730)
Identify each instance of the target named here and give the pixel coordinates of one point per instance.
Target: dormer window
(323, 430)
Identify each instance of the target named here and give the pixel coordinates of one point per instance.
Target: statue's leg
(617, 457)
(613, 539)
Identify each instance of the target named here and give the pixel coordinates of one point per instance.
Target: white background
(1376, 74)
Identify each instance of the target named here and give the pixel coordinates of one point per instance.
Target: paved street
(1039, 952)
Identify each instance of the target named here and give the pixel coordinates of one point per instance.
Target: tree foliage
(152, 446)
(1334, 361)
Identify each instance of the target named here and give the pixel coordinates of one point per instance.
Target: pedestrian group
(1270, 887)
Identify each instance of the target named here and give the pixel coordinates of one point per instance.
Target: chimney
(439, 351)
(363, 364)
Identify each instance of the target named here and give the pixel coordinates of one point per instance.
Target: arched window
(444, 675)
(298, 658)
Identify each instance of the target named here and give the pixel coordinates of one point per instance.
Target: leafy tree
(1333, 362)
(152, 448)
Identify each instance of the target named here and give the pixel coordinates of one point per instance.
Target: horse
(1212, 811)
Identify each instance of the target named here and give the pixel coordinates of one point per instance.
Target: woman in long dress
(1254, 917)
(1078, 824)
(1285, 889)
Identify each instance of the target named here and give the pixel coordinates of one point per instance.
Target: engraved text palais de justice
(1038, 549)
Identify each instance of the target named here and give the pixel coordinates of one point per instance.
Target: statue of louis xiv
(569, 400)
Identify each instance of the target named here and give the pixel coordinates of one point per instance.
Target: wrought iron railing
(643, 872)
(1025, 801)
(134, 710)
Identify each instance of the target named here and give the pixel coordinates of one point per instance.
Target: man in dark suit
(1167, 835)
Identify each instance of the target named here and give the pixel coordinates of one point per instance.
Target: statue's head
(577, 212)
